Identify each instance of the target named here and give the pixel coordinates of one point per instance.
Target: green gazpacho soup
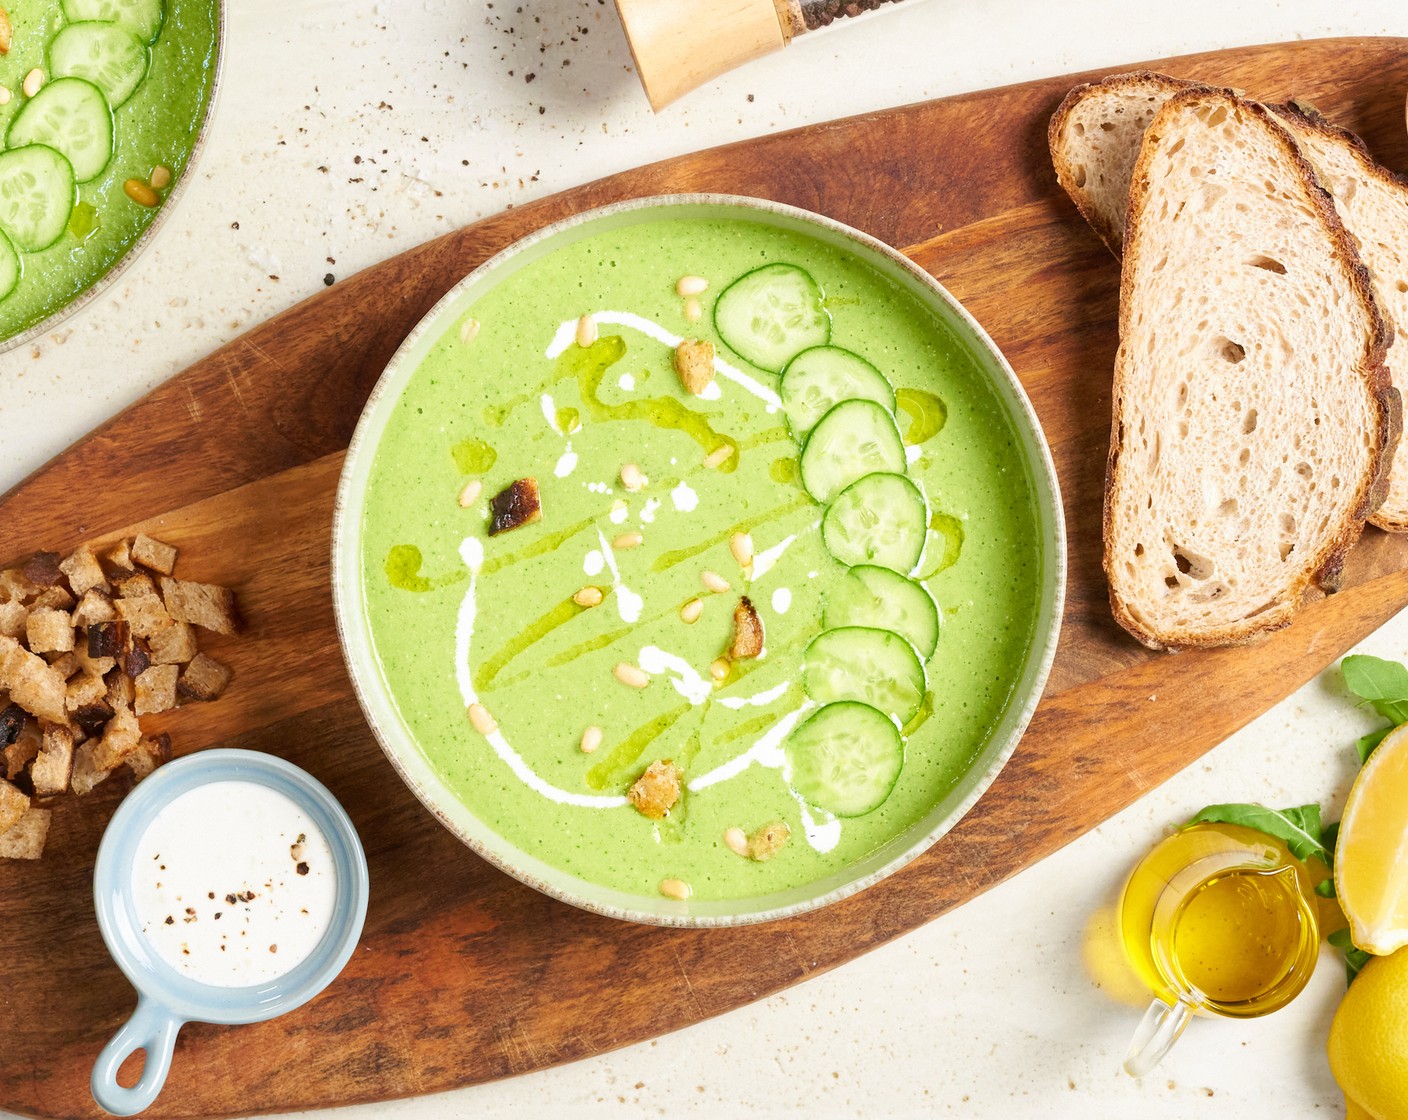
(102, 104)
(847, 469)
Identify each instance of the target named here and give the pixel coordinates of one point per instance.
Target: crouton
(135, 585)
(53, 768)
(119, 557)
(86, 772)
(203, 604)
(747, 631)
(135, 658)
(657, 791)
(49, 631)
(155, 689)
(14, 804)
(12, 721)
(84, 688)
(94, 666)
(203, 679)
(65, 664)
(145, 615)
(173, 646)
(153, 554)
(83, 571)
(120, 737)
(16, 587)
(694, 362)
(95, 606)
(91, 717)
(109, 639)
(42, 569)
(150, 754)
(517, 504)
(32, 683)
(767, 841)
(26, 839)
(12, 618)
(56, 598)
(121, 693)
(21, 752)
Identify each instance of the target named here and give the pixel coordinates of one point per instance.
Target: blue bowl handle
(152, 1028)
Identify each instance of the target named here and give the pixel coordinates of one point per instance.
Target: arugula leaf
(1354, 957)
(1325, 888)
(1369, 743)
(1383, 683)
(1299, 827)
(1330, 837)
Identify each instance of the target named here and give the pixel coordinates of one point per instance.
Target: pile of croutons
(88, 644)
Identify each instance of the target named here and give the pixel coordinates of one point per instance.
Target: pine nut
(469, 331)
(589, 596)
(719, 669)
(632, 478)
(586, 330)
(718, 457)
(737, 841)
(160, 177)
(470, 494)
(693, 310)
(4, 95)
(741, 545)
(482, 721)
(632, 675)
(675, 888)
(714, 582)
(140, 193)
(691, 611)
(632, 539)
(591, 739)
(690, 286)
(33, 82)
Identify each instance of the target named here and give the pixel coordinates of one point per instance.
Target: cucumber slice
(845, 759)
(854, 439)
(37, 194)
(142, 17)
(771, 314)
(878, 598)
(875, 667)
(880, 519)
(9, 267)
(818, 379)
(106, 54)
(71, 116)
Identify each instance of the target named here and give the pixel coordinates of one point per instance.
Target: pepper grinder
(678, 45)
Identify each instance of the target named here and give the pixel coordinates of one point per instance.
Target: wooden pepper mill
(678, 45)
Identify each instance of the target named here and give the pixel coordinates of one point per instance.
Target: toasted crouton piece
(155, 689)
(517, 504)
(53, 768)
(135, 658)
(86, 772)
(91, 718)
(173, 646)
(767, 841)
(84, 688)
(56, 598)
(120, 737)
(22, 751)
(26, 839)
(694, 362)
(120, 690)
(657, 791)
(145, 615)
(49, 631)
(109, 639)
(203, 604)
(16, 587)
(14, 804)
(150, 754)
(94, 666)
(136, 585)
(12, 618)
(32, 683)
(95, 606)
(42, 569)
(153, 554)
(747, 631)
(119, 557)
(65, 664)
(83, 571)
(12, 721)
(203, 679)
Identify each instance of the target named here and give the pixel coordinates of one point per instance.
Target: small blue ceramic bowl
(166, 999)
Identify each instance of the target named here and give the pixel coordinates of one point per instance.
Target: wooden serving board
(464, 975)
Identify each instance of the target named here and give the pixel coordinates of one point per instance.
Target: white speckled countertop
(347, 131)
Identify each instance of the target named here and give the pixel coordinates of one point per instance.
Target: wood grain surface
(463, 974)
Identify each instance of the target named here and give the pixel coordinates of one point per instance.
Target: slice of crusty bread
(1095, 137)
(1253, 418)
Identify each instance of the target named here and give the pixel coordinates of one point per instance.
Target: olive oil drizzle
(534, 632)
(921, 717)
(402, 568)
(537, 548)
(623, 759)
(927, 414)
(473, 456)
(680, 555)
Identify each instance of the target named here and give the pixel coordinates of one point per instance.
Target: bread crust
(1328, 565)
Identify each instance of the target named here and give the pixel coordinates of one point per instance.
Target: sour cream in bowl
(230, 887)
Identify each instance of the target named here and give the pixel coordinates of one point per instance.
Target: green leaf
(1298, 828)
(1366, 745)
(1354, 958)
(1325, 888)
(1373, 678)
(1330, 837)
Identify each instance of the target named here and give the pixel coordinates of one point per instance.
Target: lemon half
(1371, 855)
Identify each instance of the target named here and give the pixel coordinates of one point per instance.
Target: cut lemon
(1371, 855)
